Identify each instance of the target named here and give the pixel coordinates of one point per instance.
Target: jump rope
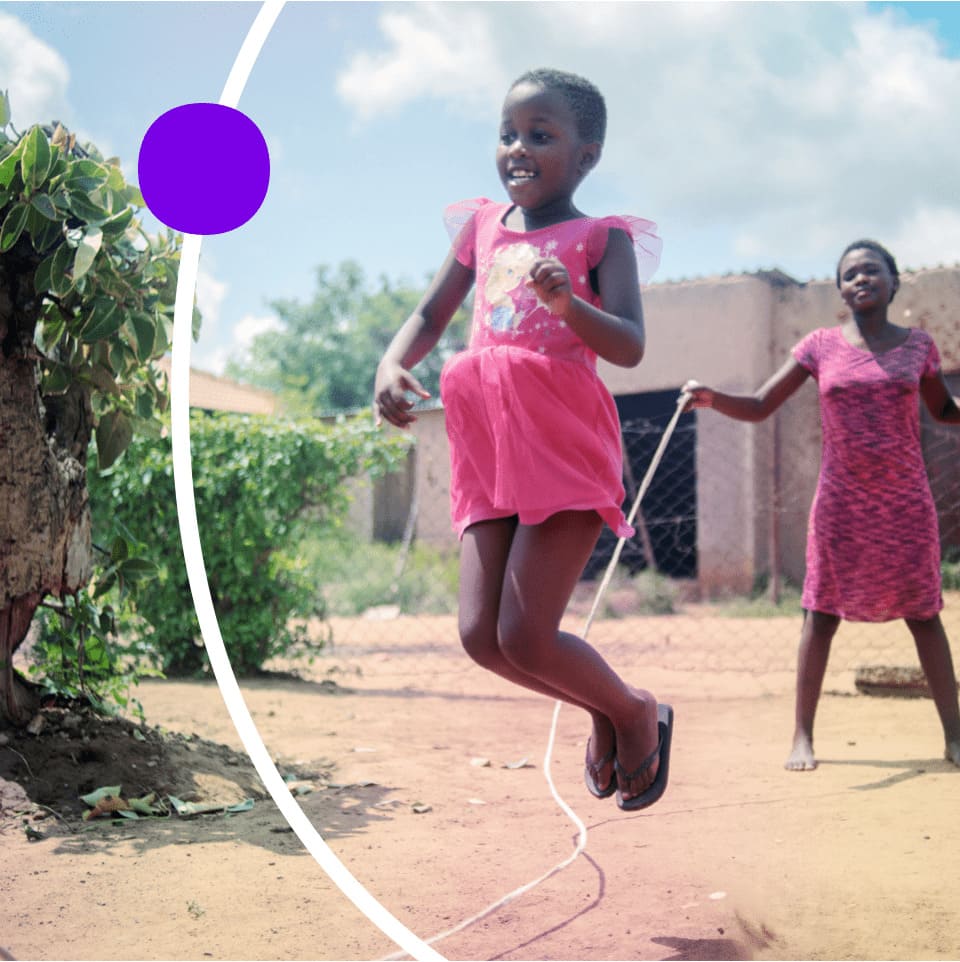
(551, 738)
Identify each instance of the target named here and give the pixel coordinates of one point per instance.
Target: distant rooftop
(209, 392)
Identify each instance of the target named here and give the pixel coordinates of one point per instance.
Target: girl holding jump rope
(534, 436)
(873, 548)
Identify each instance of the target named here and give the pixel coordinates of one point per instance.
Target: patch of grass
(759, 604)
(354, 576)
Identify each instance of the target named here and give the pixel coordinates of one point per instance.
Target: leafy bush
(259, 484)
(950, 570)
(79, 652)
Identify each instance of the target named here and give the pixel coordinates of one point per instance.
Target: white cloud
(435, 50)
(250, 326)
(34, 74)
(929, 237)
(210, 296)
(790, 127)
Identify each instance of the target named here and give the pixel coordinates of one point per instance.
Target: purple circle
(203, 168)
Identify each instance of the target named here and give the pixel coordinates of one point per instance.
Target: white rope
(551, 739)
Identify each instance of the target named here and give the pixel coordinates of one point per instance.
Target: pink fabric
(532, 428)
(873, 546)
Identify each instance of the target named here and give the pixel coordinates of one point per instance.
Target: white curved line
(196, 570)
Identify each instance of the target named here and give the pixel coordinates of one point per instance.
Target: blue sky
(755, 134)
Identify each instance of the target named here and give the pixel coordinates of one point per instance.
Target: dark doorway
(666, 522)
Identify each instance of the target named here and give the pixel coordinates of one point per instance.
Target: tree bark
(45, 545)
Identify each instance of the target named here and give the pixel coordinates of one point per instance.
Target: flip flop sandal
(653, 792)
(591, 771)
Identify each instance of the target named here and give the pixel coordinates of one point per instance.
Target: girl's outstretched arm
(941, 404)
(414, 341)
(614, 332)
(750, 407)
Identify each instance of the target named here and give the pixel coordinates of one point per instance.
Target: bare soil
(425, 776)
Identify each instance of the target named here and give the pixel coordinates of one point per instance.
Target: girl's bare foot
(598, 764)
(635, 743)
(801, 757)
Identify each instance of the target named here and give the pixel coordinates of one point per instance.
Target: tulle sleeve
(643, 233)
(807, 352)
(460, 220)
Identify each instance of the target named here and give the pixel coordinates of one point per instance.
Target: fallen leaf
(421, 809)
(93, 798)
(480, 762)
(146, 805)
(107, 805)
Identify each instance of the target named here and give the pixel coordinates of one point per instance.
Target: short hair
(584, 99)
(870, 245)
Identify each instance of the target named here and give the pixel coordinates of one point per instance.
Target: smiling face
(866, 281)
(541, 157)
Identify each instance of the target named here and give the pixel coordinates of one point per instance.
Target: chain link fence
(711, 580)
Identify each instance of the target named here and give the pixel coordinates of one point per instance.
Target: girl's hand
(551, 283)
(390, 399)
(700, 395)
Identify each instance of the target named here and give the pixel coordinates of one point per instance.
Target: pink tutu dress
(873, 546)
(532, 428)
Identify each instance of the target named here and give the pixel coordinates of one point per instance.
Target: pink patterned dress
(873, 547)
(532, 428)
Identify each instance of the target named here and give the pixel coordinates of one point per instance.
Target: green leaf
(86, 175)
(44, 233)
(4, 108)
(60, 279)
(87, 252)
(145, 335)
(120, 549)
(44, 205)
(114, 434)
(118, 223)
(13, 225)
(9, 166)
(41, 276)
(56, 380)
(35, 162)
(51, 327)
(112, 791)
(133, 196)
(104, 321)
(83, 207)
(145, 405)
(136, 570)
(102, 378)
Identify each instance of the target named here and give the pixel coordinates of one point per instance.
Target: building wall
(754, 482)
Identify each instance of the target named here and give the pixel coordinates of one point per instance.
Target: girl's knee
(522, 649)
(480, 643)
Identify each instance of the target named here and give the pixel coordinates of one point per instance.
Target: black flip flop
(659, 784)
(589, 776)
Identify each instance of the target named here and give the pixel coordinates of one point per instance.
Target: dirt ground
(424, 775)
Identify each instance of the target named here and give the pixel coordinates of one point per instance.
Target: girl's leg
(543, 566)
(937, 663)
(483, 560)
(815, 637)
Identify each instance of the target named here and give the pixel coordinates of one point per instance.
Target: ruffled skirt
(530, 435)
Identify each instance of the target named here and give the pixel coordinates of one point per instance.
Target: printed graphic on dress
(508, 297)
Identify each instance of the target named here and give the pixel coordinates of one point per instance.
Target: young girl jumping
(535, 449)
(873, 548)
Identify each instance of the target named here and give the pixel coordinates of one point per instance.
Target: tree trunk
(45, 543)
